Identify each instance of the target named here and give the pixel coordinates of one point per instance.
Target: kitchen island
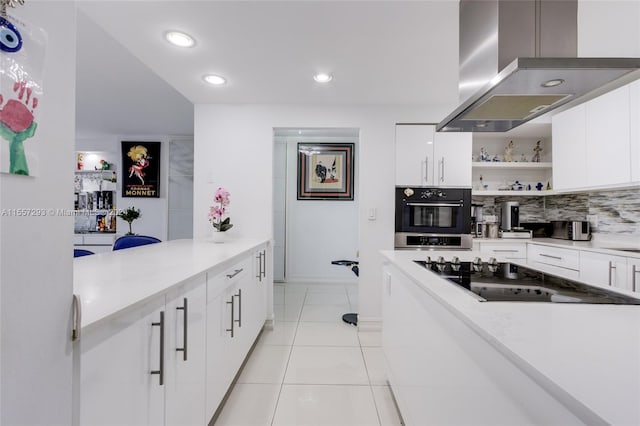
(455, 360)
(165, 327)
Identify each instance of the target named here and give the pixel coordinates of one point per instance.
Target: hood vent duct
(534, 43)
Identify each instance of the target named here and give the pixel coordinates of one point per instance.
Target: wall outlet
(593, 220)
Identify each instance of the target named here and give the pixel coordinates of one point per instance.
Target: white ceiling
(380, 53)
(130, 81)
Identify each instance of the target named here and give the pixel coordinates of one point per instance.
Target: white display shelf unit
(499, 175)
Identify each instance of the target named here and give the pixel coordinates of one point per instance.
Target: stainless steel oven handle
(435, 204)
(426, 169)
(634, 271)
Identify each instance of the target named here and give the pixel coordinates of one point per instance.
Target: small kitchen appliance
(477, 221)
(433, 218)
(575, 230)
(510, 215)
(493, 281)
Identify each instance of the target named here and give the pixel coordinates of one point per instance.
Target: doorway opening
(311, 233)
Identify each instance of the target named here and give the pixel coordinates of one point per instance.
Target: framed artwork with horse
(325, 171)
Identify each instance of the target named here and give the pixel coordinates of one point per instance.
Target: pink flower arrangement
(217, 211)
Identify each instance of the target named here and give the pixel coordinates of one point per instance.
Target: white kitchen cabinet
(185, 354)
(117, 387)
(452, 158)
(504, 250)
(634, 133)
(236, 312)
(569, 148)
(132, 371)
(633, 274)
(435, 362)
(608, 143)
(593, 142)
(603, 270)
(427, 158)
(556, 260)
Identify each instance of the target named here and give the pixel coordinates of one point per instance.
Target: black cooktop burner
(498, 281)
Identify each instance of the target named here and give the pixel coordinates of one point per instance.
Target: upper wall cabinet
(634, 134)
(427, 158)
(593, 142)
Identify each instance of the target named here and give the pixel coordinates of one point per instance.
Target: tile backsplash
(615, 211)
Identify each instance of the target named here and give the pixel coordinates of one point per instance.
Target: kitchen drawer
(554, 256)
(217, 283)
(505, 250)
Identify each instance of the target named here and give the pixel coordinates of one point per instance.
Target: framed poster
(141, 169)
(325, 171)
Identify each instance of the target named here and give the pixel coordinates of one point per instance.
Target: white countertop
(108, 283)
(587, 356)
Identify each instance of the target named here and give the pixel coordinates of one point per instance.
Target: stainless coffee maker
(477, 221)
(510, 216)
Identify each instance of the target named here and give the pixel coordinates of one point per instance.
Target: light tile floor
(312, 369)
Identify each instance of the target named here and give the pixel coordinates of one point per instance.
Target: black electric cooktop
(499, 281)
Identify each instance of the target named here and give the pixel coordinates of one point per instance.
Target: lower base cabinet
(604, 270)
(172, 360)
(442, 372)
(116, 360)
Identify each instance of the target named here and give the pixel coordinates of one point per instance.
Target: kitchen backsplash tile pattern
(617, 212)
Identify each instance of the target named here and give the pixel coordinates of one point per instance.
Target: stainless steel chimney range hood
(522, 55)
(525, 90)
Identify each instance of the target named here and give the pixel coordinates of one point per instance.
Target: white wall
(609, 28)
(154, 211)
(234, 148)
(318, 231)
(36, 281)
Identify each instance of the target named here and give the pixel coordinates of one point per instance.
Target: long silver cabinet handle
(185, 315)
(259, 257)
(634, 271)
(239, 296)
(505, 251)
(160, 370)
(231, 302)
(426, 169)
(235, 272)
(442, 176)
(264, 264)
(611, 268)
(77, 318)
(552, 257)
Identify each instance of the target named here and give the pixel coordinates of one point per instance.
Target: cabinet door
(607, 133)
(569, 149)
(185, 355)
(452, 159)
(633, 274)
(219, 371)
(117, 360)
(414, 155)
(634, 135)
(603, 270)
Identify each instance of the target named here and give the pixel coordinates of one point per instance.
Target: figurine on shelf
(483, 154)
(537, 150)
(539, 186)
(523, 159)
(517, 186)
(80, 162)
(548, 186)
(508, 152)
(482, 184)
(496, 159)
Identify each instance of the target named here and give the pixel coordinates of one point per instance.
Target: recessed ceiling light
(553, 83)
(216, 80)
(323, 78)
(180, 39)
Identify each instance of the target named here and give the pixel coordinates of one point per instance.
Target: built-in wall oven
(430, 218)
